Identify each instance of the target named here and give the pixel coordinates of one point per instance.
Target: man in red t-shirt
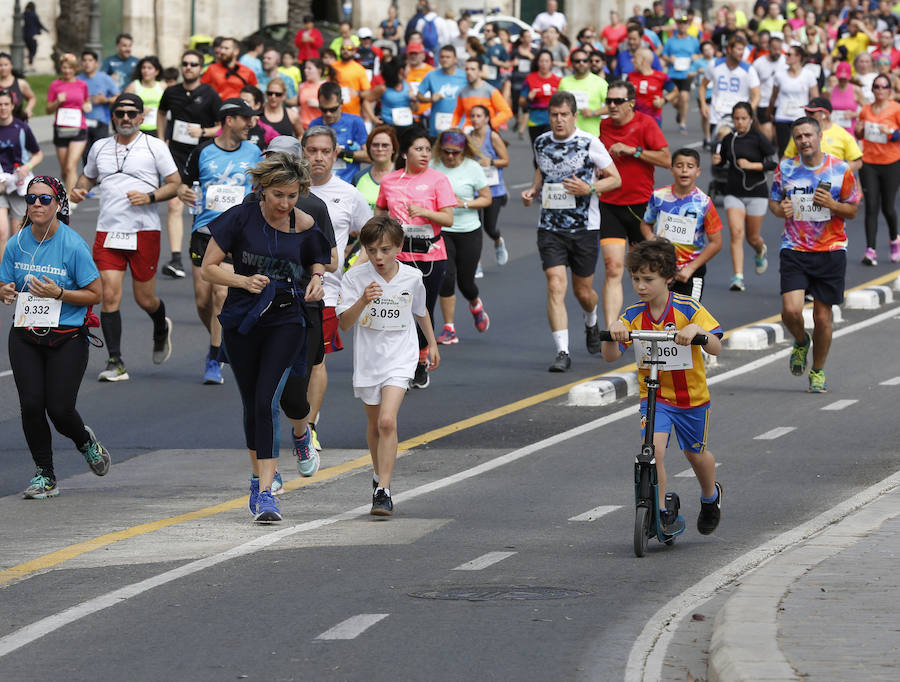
(636, 145)
(652, 88)
(226, 76)
(886, 48)
(308, 40)
(613, 34)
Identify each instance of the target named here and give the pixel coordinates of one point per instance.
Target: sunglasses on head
(329, 110)
(618, 101)
(45, 199)
(130, 113)
(273, 93)
(193, 65)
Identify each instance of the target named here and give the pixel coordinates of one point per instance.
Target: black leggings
(782, 135)
(534, 132)
(491, 215)
(48, 380)
(879, 186)
(432, 276)
(262, 361)
(463, 252)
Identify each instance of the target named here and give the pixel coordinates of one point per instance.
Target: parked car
(514, 25)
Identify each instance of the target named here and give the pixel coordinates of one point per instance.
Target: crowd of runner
(411, 127)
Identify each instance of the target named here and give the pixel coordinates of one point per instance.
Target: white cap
(364, 33)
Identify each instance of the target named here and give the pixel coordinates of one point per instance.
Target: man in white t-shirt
(551, 17)
(349, 211)
(129, 164)
(732, 80)
(766, 67)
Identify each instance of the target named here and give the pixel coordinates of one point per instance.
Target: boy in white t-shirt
(384, 299)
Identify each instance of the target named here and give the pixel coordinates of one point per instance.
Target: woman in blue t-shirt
(47, 270)
(398, 103)
(264, 318)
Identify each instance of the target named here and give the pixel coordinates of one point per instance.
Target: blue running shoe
(213, 373)
(266, 508)
(254, 493)
(305, 451)
(277, 484)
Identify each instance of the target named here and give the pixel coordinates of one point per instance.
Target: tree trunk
(297, 9)
(72, 26)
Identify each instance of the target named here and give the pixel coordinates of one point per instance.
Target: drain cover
(499, 593)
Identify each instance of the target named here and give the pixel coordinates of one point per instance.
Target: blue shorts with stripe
(691, 424)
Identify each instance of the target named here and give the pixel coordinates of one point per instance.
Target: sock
(450, 326)
(301, 439)
(590, 319)
(423, 355)
(561, 339)
(176, 256)
(710, 499)
(111, 324)
(159, 319)
(476, 308)
(376, 477)
(213, 352)
(254, 477)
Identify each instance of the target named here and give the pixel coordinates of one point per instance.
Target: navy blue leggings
(262, 361)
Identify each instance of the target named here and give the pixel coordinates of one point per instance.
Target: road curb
(603, 391)
(756, 337)
(870, 298)
(836, 316)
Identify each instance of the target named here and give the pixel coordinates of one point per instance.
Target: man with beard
(226, 75)
(129, 164)
(351, 76)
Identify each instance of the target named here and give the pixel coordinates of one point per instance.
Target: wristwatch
(638, 151)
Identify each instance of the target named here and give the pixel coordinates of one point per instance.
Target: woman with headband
(48, 272)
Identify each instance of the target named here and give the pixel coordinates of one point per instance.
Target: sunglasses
(45, 199)
(274, 94)
(580, 61)
(329, 110)
(618, 101)
(881, 87)
(130, 113)
(192, 65)
(451, 152)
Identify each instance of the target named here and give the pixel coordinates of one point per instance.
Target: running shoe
(382, 505)
(710, 513)
(502, 253)
(870, 257)
(254, 494)
(420, 378)
(592, 338)
(115, 371)
(173, 269)
(895, 250)
(481, 319)
(817, 381)
(683, 129)
(95, 454)
(737, 283)
(277, 484)
(447, 336)
(798, 356)
(562, 363)
(760, 262)
(305, 452)
(41, 487)
(162, 344)
(266, 508)
(479, 273)
(316, 444)
(213, 373)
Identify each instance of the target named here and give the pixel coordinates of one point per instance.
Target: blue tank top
(487, 148)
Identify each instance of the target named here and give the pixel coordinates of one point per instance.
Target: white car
(514, 25)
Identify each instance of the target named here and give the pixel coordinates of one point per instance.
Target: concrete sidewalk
(42, 127)
(823, 610)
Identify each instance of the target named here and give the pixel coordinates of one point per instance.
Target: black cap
(128, 98)
(235, 106)
(817, 103)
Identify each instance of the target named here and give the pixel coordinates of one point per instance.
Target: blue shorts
(691, 424)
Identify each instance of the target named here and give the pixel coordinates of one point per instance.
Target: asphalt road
(332, 594)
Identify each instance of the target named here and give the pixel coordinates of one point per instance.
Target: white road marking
(775, 433)
(6, 373)
(890, 382)
(484, 561)
(353, 627)
(596, 512)
(648, 650)
(694, 145)
(840, 405)
(687, 473)
(520, 185)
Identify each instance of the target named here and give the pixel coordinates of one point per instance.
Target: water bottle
(196, 208)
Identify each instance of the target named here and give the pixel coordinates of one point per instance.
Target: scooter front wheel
(641, 530)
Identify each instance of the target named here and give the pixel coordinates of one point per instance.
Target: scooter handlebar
(699, 340)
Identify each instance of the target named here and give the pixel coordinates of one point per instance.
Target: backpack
(430, 36)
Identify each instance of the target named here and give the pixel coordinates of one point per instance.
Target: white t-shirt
(765, 70)
(729, 86)
(349, 211)
(793, 94)
(121, 169)
(544, 20)
(379, 355)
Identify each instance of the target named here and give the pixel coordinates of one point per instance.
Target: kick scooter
(647, 521)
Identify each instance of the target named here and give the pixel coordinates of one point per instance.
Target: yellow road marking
(47, 561)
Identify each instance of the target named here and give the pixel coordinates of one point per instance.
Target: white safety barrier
(603, 391)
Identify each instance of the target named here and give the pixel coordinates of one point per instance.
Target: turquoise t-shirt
(466, 179)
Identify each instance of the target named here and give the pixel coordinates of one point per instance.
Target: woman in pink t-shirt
(68, 100)
(422, 200)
